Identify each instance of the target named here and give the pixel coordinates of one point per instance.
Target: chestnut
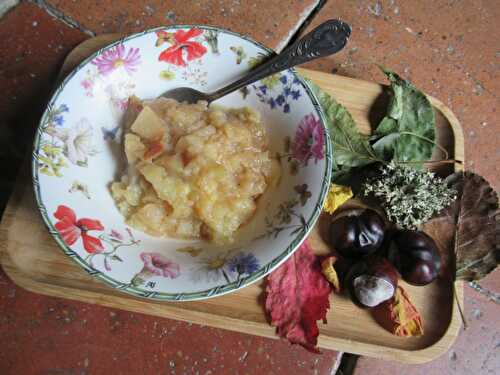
(372, 281)
(357, 232)
(415, 255)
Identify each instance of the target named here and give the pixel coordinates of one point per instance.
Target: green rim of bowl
(186, 296)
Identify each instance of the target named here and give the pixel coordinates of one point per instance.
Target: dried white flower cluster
(409, 196)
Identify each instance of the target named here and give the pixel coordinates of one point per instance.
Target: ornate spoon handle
(326, 39)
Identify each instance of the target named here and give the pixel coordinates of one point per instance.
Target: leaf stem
(459, 305)
(444, 161)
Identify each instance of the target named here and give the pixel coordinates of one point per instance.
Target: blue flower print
(56, 117)
(272, 103)
(284, 90)
(243, 264)
(58, 120)
(280, 100)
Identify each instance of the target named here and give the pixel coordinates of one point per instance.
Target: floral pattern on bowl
(78, 153)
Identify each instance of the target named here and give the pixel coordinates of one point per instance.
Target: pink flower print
(158, 265)
(309, 140)
(117, 57)
(123, 104)
(88, 86)
(115, 234)
(155, 265)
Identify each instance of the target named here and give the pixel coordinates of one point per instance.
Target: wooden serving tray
(33, 260)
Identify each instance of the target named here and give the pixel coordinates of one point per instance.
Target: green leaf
(387, 125)
(350, 148)
(340, 173)
(384, 146)
(407, 133)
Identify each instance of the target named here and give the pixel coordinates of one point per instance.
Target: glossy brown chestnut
(372, 281)
(357, 233)
(415, 255)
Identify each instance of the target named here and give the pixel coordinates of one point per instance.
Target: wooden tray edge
(332, 343)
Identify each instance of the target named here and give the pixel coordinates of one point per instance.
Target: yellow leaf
(337, 196)
(330, 273)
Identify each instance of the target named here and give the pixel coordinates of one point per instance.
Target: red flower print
(71, 229)
(180, 41)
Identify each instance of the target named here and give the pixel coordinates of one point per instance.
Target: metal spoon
(326, 39)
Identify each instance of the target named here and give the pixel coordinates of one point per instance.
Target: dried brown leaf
(468, 232)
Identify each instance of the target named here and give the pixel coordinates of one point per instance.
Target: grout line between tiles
(57, 14)
(297, 32)
(491, 296)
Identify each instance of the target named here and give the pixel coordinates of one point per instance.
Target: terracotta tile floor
(448, 48)
(273, 27)
(32, 46)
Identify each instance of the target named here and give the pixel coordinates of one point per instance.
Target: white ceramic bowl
(77, 154)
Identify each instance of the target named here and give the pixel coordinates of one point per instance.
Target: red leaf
(297, 297)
